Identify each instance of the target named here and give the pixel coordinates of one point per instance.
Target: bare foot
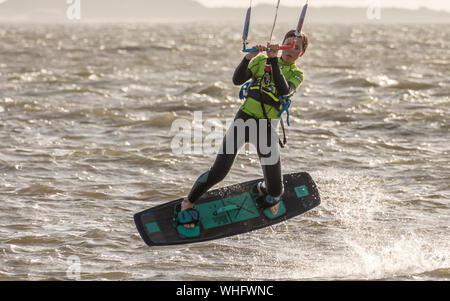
(274, 208)
(186, 204)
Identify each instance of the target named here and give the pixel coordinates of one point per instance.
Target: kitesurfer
(272, 79)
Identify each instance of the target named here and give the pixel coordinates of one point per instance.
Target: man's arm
(242, 73)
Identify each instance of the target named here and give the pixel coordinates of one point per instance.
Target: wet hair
(303, 36)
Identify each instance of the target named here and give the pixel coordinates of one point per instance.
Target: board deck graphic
(227, 211)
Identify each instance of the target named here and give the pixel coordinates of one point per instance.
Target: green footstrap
(188, 232)
(187, 216)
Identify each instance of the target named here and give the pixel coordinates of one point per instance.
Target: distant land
(174, 11)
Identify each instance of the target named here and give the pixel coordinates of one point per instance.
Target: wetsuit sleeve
(242, 73)
(281, 84)
(296, 79)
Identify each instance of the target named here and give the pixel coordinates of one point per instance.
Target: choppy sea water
(85, 142)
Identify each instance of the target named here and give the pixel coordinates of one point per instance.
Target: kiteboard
(227, 211)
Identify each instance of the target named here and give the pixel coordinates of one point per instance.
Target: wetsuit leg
(238, 134)
(273, 179)
(269, 157)
(231, 144)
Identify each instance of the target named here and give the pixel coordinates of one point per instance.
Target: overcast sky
(434, 4)
(412, 4)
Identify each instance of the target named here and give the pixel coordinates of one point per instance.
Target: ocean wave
(353, 82)
(411, 85)
(39, 189)
(104, 113)
(378, 126)
(437, 62)
(6, 167)
(28, 240)
(385, 81)
(216, 89)
(162, 120)
(435, 274)
(92, 195)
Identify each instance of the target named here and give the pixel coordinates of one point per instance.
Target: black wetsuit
(241, 132)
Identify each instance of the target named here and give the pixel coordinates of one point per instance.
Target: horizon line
(321, 6)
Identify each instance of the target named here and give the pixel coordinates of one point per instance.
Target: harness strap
(281, 103)
(286, 102)
(266, 77)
